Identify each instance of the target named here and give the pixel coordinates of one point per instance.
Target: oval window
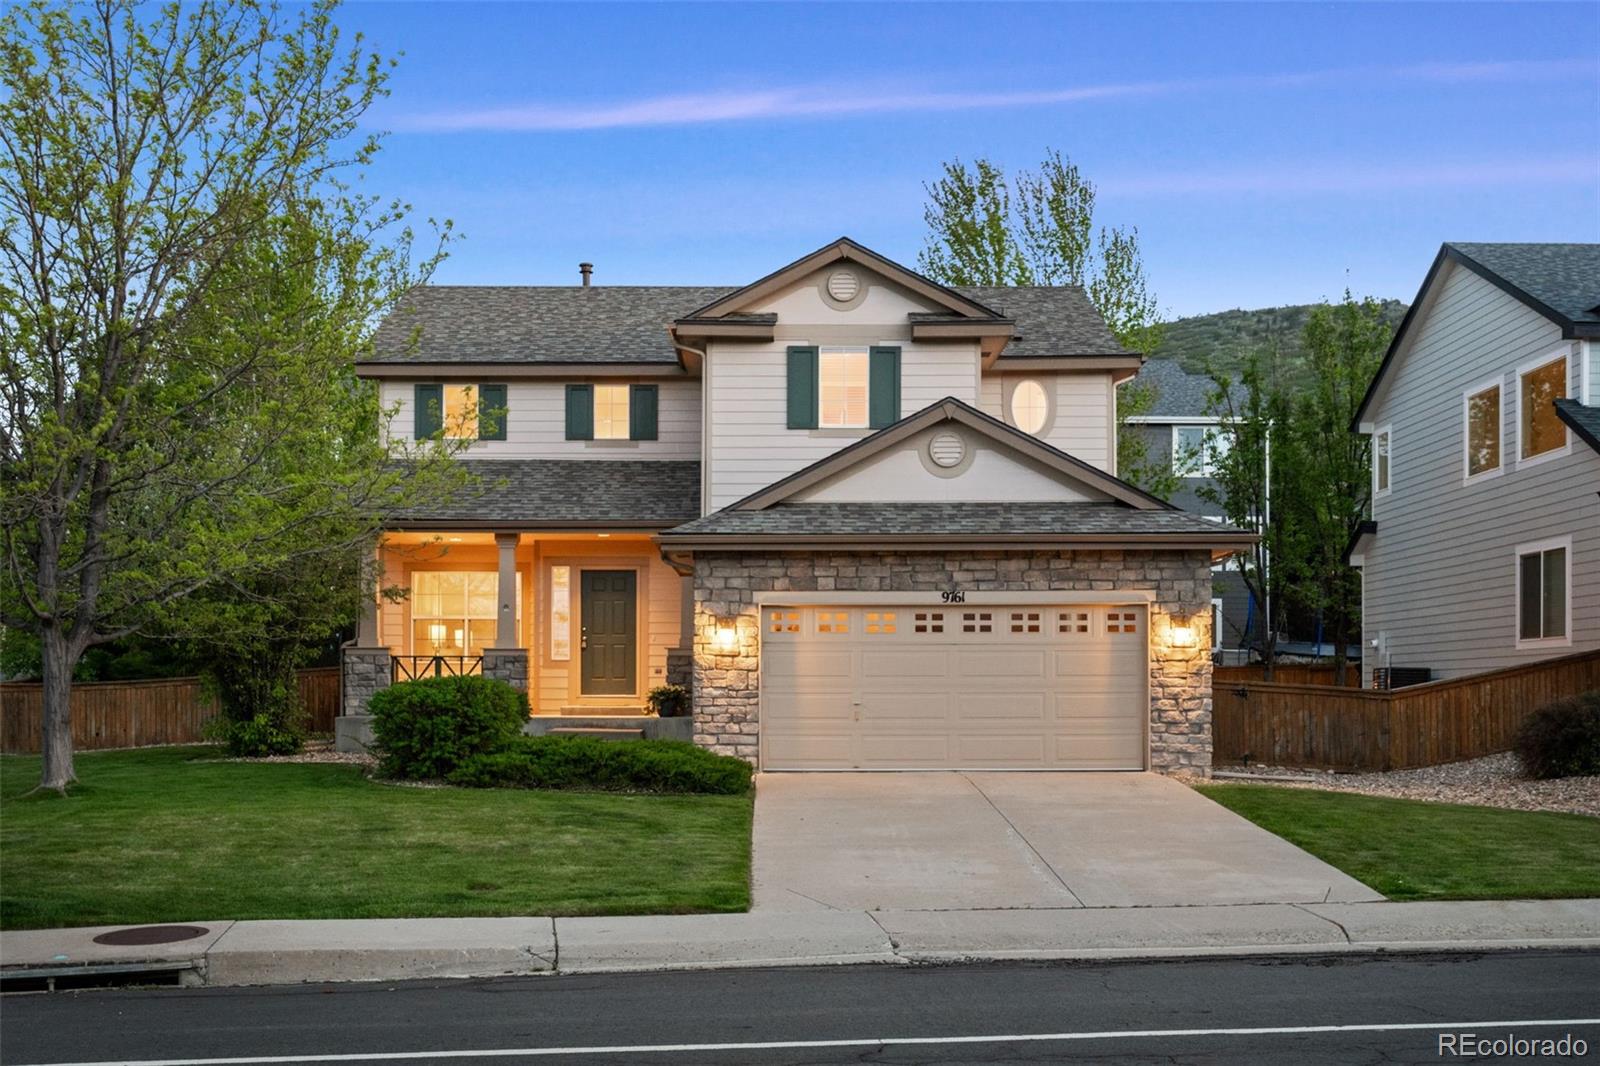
(1029, 406)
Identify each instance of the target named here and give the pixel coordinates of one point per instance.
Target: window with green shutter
(643, 401)
(427, 403)
(580, 412)
(492, 412)
(802, 388)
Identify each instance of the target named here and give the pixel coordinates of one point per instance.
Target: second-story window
(1196, 450)
(611, 412)
(1539, 388)
(842, 388)
(461, 412)
(1382, 443)
(1483, 431)
(605, 411)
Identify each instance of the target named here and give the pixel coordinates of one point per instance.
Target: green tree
(1343, 344)
(187, 279)
(1249, 482)
(980, 234)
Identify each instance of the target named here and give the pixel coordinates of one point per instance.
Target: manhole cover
(152, 934)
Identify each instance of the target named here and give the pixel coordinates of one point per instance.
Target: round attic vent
(843, 285)
(947, 449)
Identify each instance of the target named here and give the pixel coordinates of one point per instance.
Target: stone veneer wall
(509, 665)
(362, 672)
(680, 667)
(727, 686)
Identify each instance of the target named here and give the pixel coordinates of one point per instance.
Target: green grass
(174, 834)
(1409, 850)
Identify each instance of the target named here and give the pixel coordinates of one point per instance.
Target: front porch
(594, 621)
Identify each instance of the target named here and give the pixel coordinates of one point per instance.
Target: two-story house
(872, 521)
(1483, 550)
(1181, 431)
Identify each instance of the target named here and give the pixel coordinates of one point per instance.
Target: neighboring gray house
(1178, 430)
(1484, 546)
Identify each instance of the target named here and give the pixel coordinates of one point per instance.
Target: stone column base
(507, 664)
(362, 672)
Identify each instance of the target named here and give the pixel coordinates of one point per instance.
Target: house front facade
(1483, 550)
(870, 521)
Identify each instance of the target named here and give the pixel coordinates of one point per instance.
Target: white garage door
(905, 688)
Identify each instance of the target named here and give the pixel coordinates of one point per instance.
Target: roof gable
(844, 249)
(1021, 455)
(1559, 281)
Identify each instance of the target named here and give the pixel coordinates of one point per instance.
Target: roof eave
(939, 541)
(492, 370)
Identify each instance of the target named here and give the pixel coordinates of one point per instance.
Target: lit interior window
(1029, 406)
(461, 412)
(842, 388)
(611, 412)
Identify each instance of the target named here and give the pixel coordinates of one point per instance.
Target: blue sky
(1267, 154)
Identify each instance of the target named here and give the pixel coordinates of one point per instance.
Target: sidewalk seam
(1337, 925)
(894, 945)
(555, 946)
(1026, 842)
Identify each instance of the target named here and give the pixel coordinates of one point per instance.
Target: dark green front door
(610, 633)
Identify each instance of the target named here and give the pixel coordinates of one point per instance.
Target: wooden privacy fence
(137, 714)
(1287, 674)
(1329, 728)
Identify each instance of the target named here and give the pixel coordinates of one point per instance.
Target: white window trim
(1210, 432)
(1523, 371)
(1466, 434)
(1386, 430)
(1565, 640)
(1216, 623)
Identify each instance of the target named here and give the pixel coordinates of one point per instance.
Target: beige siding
(536, 423)
(1081, 422)
(1440, 577)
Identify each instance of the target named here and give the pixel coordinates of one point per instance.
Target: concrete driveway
(962, 841)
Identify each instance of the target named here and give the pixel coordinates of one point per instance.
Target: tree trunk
(55, 733)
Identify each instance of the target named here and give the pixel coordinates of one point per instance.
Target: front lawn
(176, 834)
(1407, 849)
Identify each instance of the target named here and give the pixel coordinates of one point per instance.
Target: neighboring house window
(612, 412)
(1544, 575)
(455, 612)
(1196, 450)
(1483, 431)
(561, 613)
(1382, 456)
(843, 388)
(460, 412)
(1216, 623)
(1539, 388)
(1030, 406)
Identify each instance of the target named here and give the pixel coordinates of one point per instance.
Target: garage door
(898, 688)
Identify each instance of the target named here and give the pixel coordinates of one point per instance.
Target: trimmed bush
(605, 765)
(1562, 739)
(422, 730)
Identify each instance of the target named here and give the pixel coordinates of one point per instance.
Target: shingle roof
(628, 323)
(1563, 277)
(648, 493)
(1179, 394)
(1584, 420)
(940, 519)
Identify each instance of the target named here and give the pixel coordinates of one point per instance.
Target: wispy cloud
(817, 102)
(1345, 178)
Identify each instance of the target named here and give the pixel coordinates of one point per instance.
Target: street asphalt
(1302, 1009)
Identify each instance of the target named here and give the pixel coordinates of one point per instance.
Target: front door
(610, 650)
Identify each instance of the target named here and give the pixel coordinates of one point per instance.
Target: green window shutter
(428, 401)
(643, 401)
(883, 387)
(802, 388)
(580, 412)
(492, 412)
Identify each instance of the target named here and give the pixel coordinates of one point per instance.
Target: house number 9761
(953, 596)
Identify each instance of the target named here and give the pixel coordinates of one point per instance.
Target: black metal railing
(416, 667)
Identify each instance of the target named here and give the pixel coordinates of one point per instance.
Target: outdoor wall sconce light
(727, 640)
(1181, 636)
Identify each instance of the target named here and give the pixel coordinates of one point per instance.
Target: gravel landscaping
(1493, 781)
(318, 751)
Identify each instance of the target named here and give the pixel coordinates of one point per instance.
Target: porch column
(506, 632)
(367, 627)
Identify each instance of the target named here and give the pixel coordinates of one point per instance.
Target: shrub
(607, 765)
(669, 701)
(424, 729)
(258, 697)
(1562, 739)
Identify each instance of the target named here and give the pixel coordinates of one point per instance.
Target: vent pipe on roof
(586, 269)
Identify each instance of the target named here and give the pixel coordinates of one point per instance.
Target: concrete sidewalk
(285, 952)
